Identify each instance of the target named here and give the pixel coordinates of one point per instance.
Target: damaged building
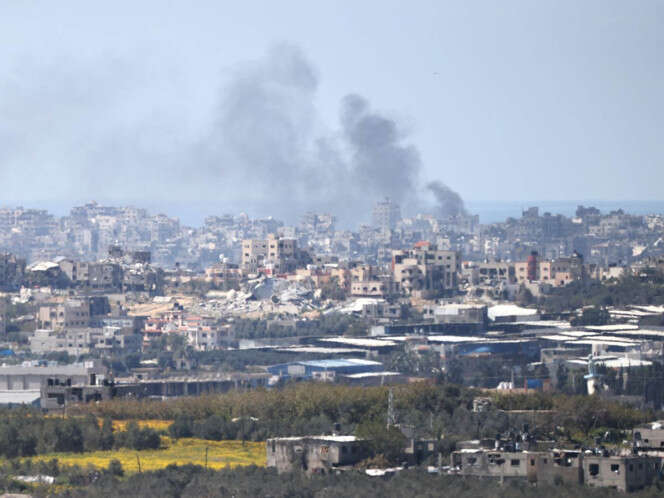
(314, 454)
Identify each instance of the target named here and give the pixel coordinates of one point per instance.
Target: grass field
(181, 451)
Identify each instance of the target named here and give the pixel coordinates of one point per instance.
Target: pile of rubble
(261, 297)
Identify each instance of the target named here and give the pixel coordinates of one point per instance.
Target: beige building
(372, 288)
(425, 271)
(280, 253)
(71, 313)
(78, 341)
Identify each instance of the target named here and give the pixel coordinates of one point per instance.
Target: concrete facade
(71, 313)
(624, 473)
(425, 271)
(313, 454)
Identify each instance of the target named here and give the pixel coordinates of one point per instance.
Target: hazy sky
(505, 100)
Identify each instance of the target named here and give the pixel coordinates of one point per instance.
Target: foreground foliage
(193, 481)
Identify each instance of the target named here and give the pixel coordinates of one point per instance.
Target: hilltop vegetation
(433, 409)
(96, 450)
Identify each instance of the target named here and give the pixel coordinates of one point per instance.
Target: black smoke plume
(380, 162)
(450, 204)
(93, 129)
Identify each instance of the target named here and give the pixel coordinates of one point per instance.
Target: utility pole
(391, 418)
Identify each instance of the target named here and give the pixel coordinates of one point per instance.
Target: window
(615, 468)
(515, 463)
(593, 469)
(532, 461)
(546, 460)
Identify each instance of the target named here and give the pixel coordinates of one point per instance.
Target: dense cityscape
(331, 249)
(111, 305)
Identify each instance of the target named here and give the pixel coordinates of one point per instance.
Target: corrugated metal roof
(349, 362)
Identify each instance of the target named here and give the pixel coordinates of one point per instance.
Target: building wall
(72, 313)
(625, 473)
(649, 438)
(425, 270)
(491, 463)
(550, 467)
(311, 455)
(622, 473)
(278, 251)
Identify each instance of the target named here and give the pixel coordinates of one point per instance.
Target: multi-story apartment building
(426, 271)
(279, 253)
(71, 313)
(385, 215)
(78, 341)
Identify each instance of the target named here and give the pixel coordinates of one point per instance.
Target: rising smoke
(270, 133)
(450, 203)
(380, 162)
(264, 143)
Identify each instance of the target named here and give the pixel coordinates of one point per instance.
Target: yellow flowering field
(158, 425)
(181, 451)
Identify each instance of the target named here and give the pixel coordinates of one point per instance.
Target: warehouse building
(325, 370)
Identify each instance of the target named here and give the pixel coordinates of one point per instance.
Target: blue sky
(504, 100)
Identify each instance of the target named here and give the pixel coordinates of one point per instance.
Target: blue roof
(6, 352)
(480, 349)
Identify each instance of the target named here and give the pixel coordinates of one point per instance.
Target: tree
(523, 296)
(138, 438)
(592, 316)
(388, 442)
(115, 468)
(106, 438)
(182, 426)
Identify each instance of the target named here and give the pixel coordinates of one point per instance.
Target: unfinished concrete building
(624, 473)
(314, 454)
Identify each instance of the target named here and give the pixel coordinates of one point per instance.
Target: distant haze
(289, 106)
